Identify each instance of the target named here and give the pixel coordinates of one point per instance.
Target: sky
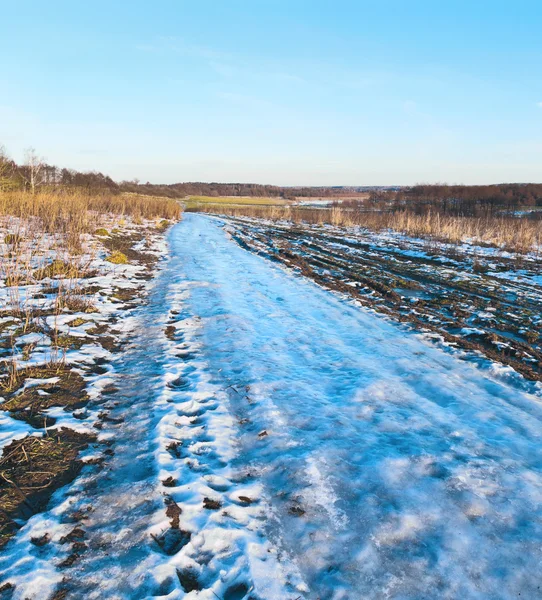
(285, 92)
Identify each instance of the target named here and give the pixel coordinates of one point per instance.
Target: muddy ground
(477, 299)
(33, 467)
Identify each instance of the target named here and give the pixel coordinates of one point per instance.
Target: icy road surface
(369, 463)
(419, 476)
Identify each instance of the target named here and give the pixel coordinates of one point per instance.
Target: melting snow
(374, 464)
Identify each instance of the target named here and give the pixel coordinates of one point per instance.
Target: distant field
(234, 201)
(334, 198)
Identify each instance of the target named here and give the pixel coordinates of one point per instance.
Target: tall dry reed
(42, 240)
(515, 234)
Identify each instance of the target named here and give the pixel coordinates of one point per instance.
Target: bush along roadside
(65, 311)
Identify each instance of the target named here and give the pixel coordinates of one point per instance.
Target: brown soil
(170, 332)
(124, 243)
(32, 469)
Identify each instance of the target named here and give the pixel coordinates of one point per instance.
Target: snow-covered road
(417, 474)
(369, 463)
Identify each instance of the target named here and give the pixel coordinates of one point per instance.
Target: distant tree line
(461, 200)
(35, 173)
(181, 190)
(457, 200)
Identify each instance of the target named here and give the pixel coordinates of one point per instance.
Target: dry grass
(47, 251)
(31, 469)
(62, 212)
(48, 243)
(117, 258)
(515, 234)
(195, 201)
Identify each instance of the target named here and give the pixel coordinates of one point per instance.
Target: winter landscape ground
(271, 300)
(249, 409)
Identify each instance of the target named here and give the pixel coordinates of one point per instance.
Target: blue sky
(273, 91)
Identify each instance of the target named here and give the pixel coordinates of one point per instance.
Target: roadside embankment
(72, 269)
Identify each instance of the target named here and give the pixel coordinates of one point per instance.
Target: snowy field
(273, 440)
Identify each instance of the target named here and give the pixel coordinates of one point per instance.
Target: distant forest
(461, 200)
(35, 172)
(181, 190)
(467, 200)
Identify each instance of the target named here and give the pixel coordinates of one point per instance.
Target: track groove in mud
(438, 290)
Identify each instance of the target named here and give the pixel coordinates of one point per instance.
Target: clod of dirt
(69, 342)
(68, 392)
(174, 449)
(97, 370)
(104, 416)
(98, 460)
(186, 355)
(61, 594)
(41, 541)
(173, 512)
(125, 245)
(80, 515)
(79, 547)
(263, 434)
(37, 421)
(109, 342)
(74, 535)
(77, 322)
(245, 500)
(126, 294)
(109, 389)
(81, 415)
(169, 482)
(211, 504)
(170, 332)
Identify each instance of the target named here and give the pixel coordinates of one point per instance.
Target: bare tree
(35, 167)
